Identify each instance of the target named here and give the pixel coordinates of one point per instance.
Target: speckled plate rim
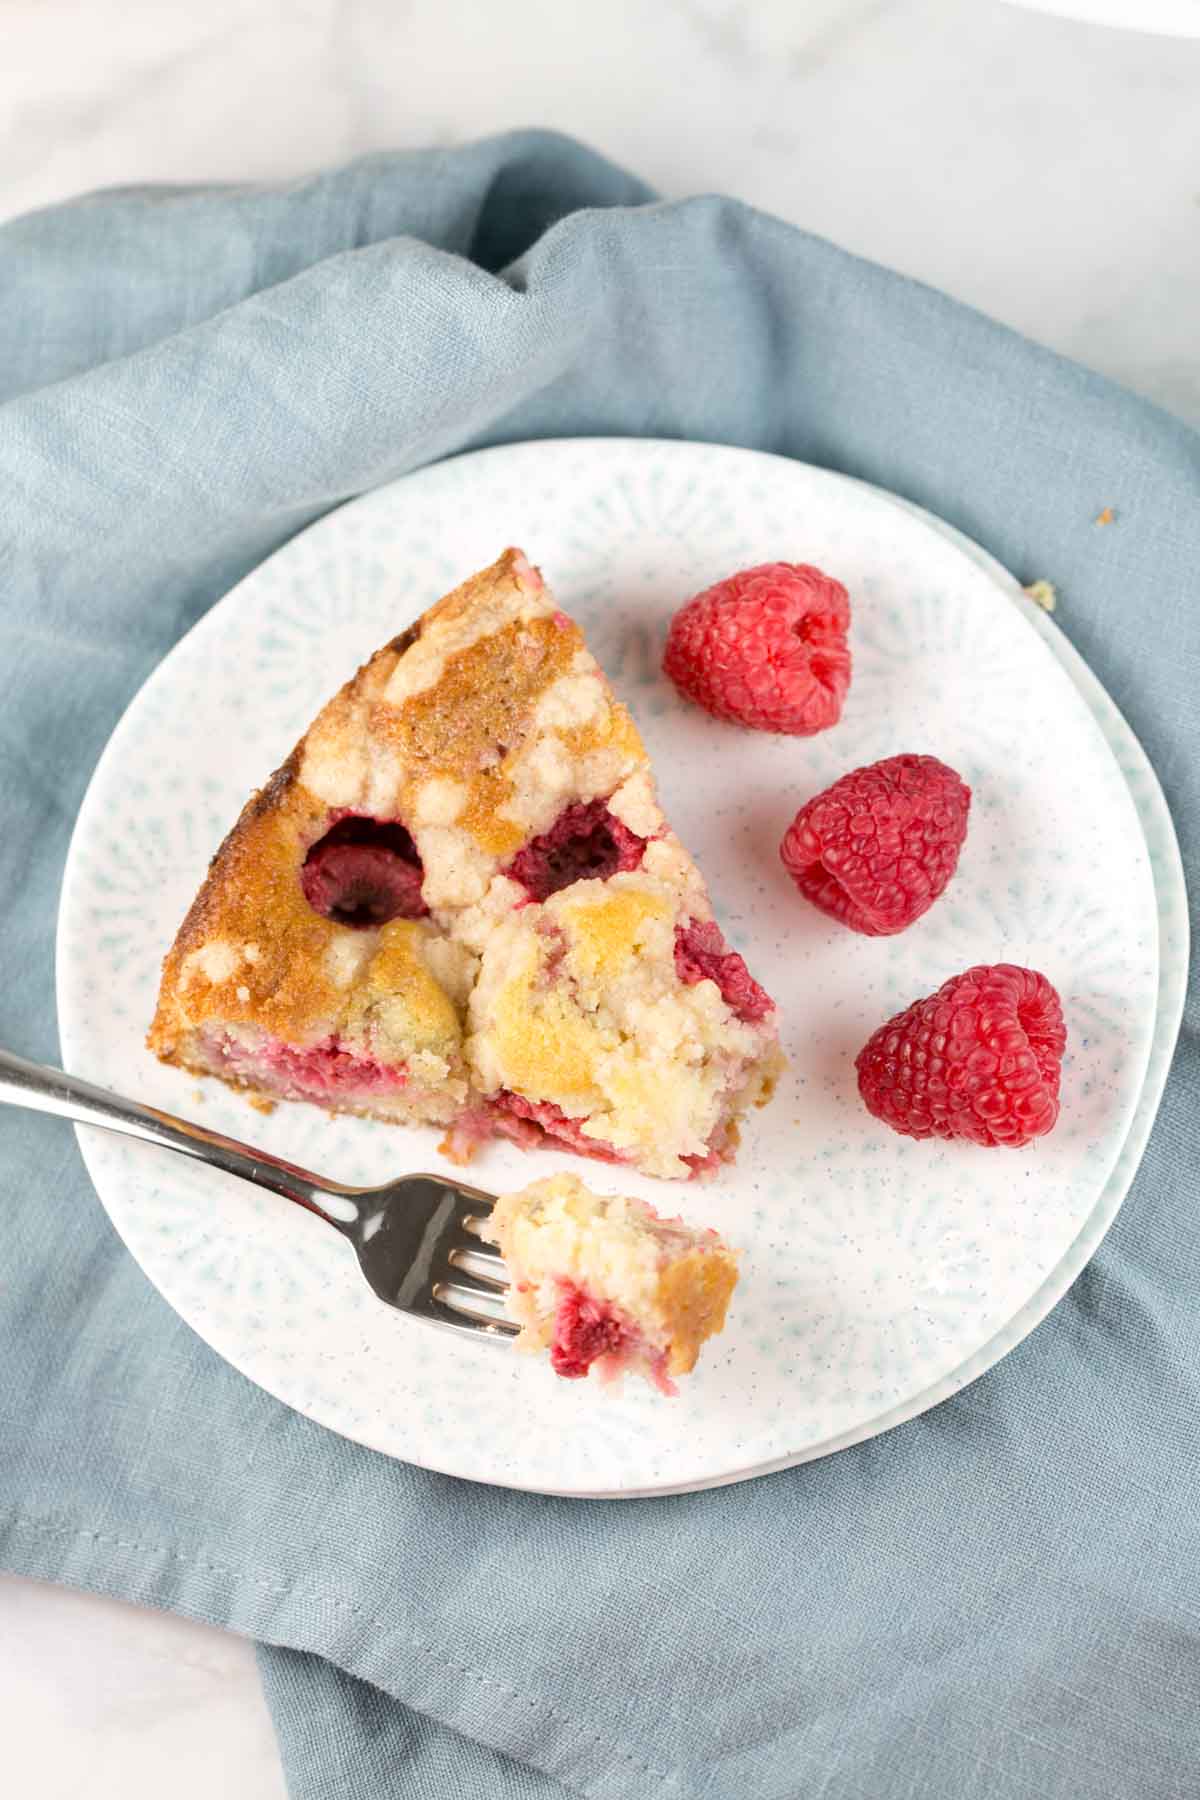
(1171, 910)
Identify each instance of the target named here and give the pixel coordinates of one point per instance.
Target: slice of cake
(458, 902)
(607, 1286)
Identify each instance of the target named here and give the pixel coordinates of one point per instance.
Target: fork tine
(475, 1301)
(496, 1331)
(467, 1282)
(424, 1251)
(483, 1264)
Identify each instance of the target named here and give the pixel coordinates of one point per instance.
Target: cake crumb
(197, 1096)
(262, 1105)
(1106, 516)
(1043, 594)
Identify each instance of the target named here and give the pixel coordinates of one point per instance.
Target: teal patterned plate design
(879, 1275)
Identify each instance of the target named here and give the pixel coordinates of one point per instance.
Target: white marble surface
(1045, 170)
(110, 1701)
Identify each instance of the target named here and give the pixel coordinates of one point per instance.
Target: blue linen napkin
(1002, 1598)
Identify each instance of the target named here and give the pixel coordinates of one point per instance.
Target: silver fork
(418, 1240)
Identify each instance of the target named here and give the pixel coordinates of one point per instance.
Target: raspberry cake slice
(459, 902)
(606, 1285)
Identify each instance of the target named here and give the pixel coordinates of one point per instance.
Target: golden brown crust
(203, 918)
(694, 1293)
(451, 700)
(404, 640)
(468, 726)
(251, 902)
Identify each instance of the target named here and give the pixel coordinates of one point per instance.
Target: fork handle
(45, 1089)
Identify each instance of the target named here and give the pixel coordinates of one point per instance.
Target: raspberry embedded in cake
(585, 843)
(459, 902)
(587, 1331)
(364, 871)
(322, 1073)
(606, 1286)
(529, 1122)
(701, 954)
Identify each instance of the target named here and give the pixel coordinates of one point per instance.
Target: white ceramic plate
(880, 1275)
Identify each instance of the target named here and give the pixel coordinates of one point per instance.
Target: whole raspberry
(877, 848)
(979, 1059)
(766, 648)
